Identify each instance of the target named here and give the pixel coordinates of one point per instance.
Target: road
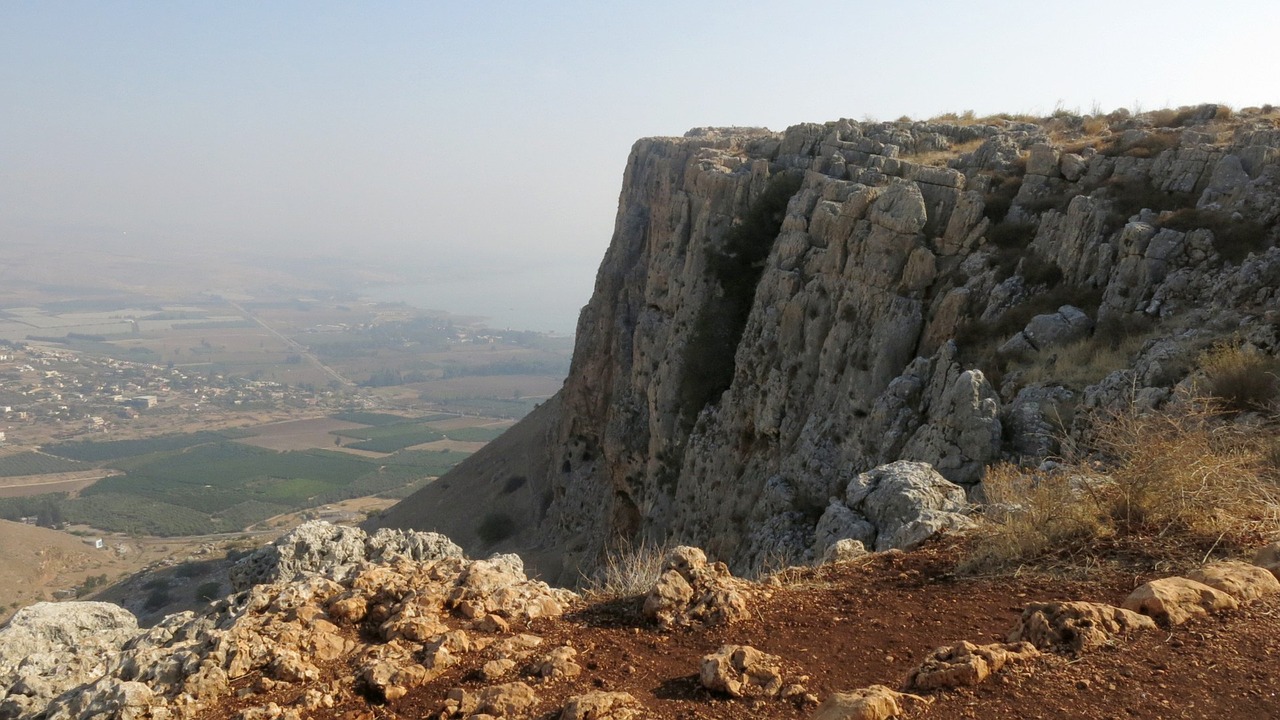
(292, 344)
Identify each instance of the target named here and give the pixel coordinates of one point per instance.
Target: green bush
(1233, 239)
(209, 591)
(496, 527)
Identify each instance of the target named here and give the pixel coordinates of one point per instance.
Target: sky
(478, 147)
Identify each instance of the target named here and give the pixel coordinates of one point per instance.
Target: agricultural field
(217, 482)
(36, 463)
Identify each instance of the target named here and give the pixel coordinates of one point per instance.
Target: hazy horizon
(485, 144)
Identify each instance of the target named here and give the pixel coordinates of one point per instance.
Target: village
(57, 394)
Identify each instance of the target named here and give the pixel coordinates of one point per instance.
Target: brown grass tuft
(1180, 480)
(1240, 378)
(626, 571)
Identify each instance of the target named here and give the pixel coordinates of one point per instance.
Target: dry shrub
(1030, 514)
(1175, 480)
(1185, 472)
(626, 571)
(1241, 378)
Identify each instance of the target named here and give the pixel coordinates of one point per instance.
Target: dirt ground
(853, 625)
(68, 482)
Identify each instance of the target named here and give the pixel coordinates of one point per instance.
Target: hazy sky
(485, 141)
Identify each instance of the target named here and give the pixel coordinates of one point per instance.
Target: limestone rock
(47, 649)
(1242, 581)
(846, 550)
(876, 702)
(908, 502)
(1067, 325)
(508, 700)
(1175, 600)
(559, 664)
(1076, 626)
(599, 705)
(320, 548)
(693, 591)
(721, 416)
(965, 664)
(741, 671)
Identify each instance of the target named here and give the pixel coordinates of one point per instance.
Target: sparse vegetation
(1184, 473)
(1241, 378)
(626, 571)
(1233, 238)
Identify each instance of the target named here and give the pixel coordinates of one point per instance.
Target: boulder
(1175, 600)
(508, 700)
(1242, 581)
(846, 550)
(1067, 325)
(47, 649)
(600, 705)
(840, 524)
(876, 702)
(965, 664)
(559, 664)
(320, 548)
(908, 502)
(741, 671)
(692, 591)
(1076, 626)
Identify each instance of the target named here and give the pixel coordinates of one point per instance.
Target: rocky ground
(346, 626)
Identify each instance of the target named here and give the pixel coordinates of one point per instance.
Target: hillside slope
(779, 312)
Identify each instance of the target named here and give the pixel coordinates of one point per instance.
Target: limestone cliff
(779, 312)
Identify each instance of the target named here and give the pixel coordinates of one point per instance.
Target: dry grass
(1180, 479)
(1240, 378)
(1030, 514)
(626, 571)
(1082, 363)
(940, 158)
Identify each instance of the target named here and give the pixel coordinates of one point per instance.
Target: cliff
(780, 312)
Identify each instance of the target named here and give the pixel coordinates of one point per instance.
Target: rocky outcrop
(965, 664)
(47, 649)
(692, 591)
(319, 548)
(780, 312)
(1175, 600)
(896, 506)
(1076, 626)
(741, 671)
(876, 702)
(398, 608)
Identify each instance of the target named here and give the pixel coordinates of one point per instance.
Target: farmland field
(35, 463)
(390, 438)
(298, 434)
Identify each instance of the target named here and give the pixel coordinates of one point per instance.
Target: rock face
(779, 313)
